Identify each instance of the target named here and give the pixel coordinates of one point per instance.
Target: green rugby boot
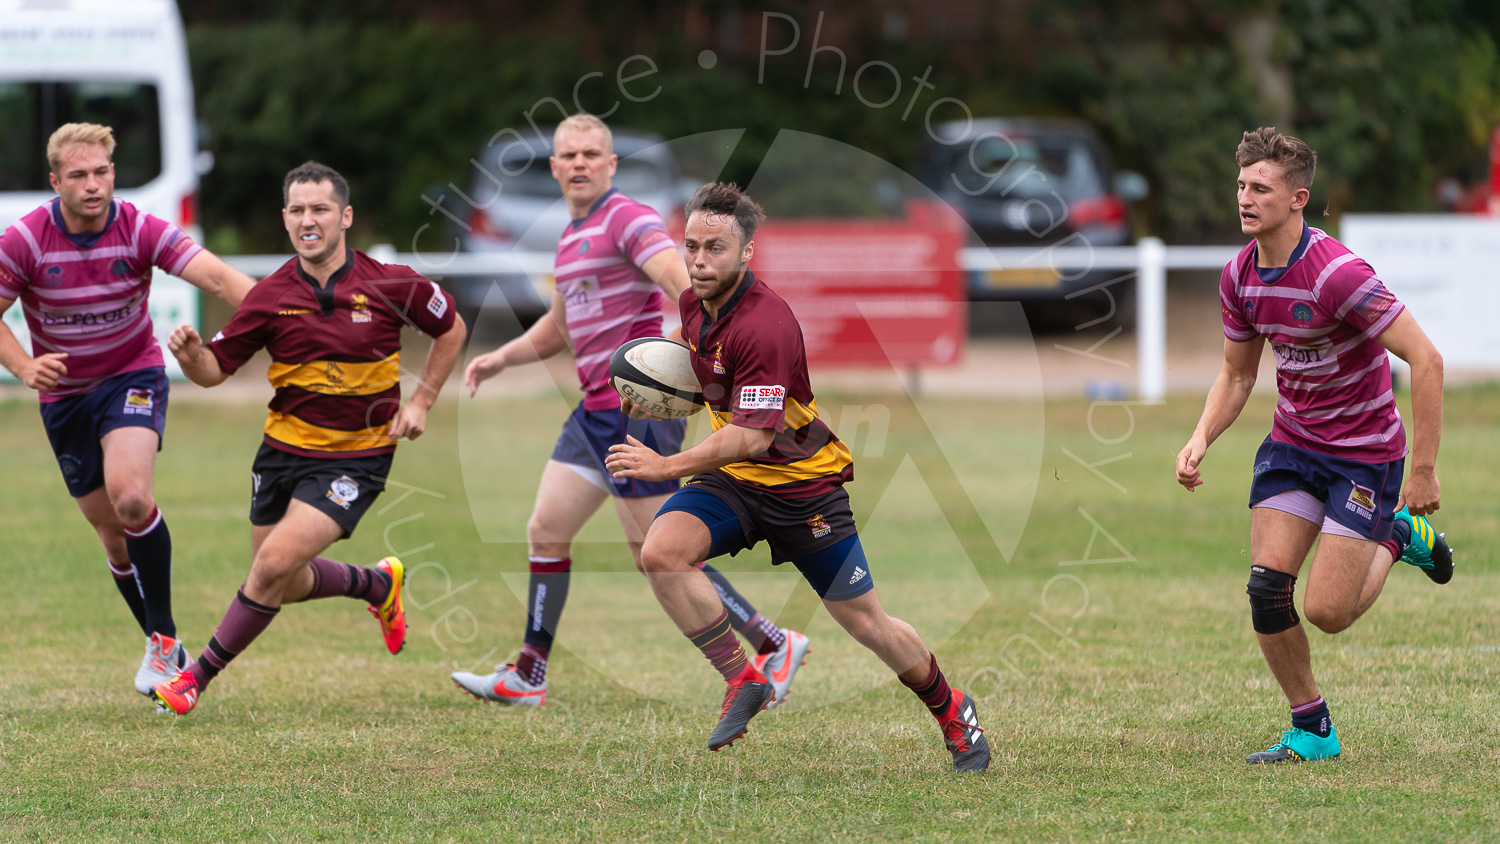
(1426, 549)
(1298, 746)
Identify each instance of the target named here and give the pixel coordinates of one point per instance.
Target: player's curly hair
(78, 133)
(727, 200)
(1296, 159)
(313, 172)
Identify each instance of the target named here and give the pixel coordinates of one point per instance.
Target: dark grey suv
(1032, 183)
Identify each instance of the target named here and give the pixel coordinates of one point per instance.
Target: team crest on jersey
(139, 403)
(335, 374)
(1361, 501)
(1250, 309)
(583, 248)
(360, 304)
(343, 491)
(719, 360)
(53, 277)
(70, 467)
(1302, 313)
(120, 267)
(819, 526)
(1261, 467)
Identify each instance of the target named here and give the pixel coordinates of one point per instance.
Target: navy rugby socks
(150, 548)
(1313, 717)
(1400, 538)
(546, 595)
(131, 592)
(758, 630)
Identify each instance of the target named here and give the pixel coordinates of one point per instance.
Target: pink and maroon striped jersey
(1321, 317)
(85, 295)
(608, 300)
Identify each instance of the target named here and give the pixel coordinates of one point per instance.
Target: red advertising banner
(871, 292)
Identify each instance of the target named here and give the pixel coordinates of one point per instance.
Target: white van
(121, 63)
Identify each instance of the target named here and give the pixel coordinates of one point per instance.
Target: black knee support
(1272, 609)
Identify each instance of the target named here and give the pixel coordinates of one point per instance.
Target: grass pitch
(1096, 614)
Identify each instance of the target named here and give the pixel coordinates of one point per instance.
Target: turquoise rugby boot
(1298, 746)
(1426, 549)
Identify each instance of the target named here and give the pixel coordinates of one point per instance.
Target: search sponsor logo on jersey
(91, 320)
(762, 398)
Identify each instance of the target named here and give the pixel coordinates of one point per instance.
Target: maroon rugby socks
(932, 688)
(758, 630)
(332, 579)
(719, 646)
(1399, 539)
(244, 620)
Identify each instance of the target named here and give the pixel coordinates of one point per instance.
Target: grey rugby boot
(744, 698)
(505, 685)
(964, 737)
(781, 666)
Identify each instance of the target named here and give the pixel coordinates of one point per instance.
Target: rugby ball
(656, 375)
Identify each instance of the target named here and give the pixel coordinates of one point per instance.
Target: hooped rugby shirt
(607, 299)
(85, 294)
(752, 364)
(335, 351)
(1321, 317)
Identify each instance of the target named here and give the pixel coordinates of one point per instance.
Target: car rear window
(1023, 166)
(31, 111)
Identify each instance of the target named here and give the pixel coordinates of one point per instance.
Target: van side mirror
(1131, 186)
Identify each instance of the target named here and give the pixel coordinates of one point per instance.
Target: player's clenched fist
(185, 343)
(41, 373)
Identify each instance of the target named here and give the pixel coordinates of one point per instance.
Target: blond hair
(583, 122)
(1296, 159)
(78, 133)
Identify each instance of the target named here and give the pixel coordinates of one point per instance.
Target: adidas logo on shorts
(859, 574)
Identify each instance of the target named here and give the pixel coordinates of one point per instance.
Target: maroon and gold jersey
(335, 351)
(753, 368)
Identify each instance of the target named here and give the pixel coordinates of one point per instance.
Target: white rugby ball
(656, 375)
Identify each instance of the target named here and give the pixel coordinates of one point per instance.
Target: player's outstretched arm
(40, 373)
(729, 444)
(1226, 398)
(198, 363)
(669, 272)
(1406, 340)
(411, 420)
(209, 273)
(545, 338)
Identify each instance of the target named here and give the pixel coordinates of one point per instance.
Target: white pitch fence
(1444, 267)
(1149, 259)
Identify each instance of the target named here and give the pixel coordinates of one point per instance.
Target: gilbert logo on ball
(656, 375)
